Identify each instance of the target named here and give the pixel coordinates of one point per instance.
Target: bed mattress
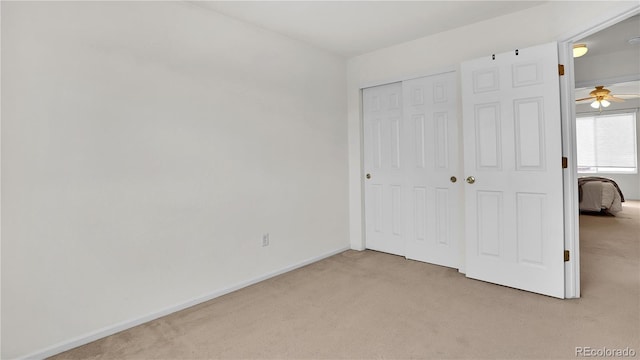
(600, 195)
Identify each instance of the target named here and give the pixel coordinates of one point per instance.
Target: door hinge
(565, 162)
(566, 255)
(560, 69)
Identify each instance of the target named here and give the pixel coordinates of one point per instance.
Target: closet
(508, 199)
(411, 164)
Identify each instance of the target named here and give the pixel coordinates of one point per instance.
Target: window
(607, 143)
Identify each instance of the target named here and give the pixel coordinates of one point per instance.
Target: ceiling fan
(601, 97)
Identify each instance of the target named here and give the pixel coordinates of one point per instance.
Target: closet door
(431, 129)
(384, 166)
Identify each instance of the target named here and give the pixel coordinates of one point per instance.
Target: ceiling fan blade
(628, 96)
(587, 98)
(613, 98)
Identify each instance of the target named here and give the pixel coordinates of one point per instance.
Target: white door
(431, 128)
(512, 149)
(384, 169)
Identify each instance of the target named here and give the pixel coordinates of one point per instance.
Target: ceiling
(351, 28)
(611, 56)
(614, 38)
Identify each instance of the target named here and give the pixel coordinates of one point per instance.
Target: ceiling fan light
(579, 50)
(595, 104)
(605, 103)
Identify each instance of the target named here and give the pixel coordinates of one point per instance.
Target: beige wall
(146, 147)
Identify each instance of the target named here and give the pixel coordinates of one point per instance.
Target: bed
(599, 194)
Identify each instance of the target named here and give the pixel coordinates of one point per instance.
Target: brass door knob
(368, 176)
(471, 179)
(453, 179)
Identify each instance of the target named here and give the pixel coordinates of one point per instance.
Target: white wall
(541, 24)
(146, 147)
(620, 64)
(628, 183)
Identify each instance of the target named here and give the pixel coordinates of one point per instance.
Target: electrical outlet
(265, 239)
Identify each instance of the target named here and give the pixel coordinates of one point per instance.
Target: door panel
(514, 209)
(384, 150)
(432, 158)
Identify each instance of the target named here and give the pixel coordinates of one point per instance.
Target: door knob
(453, 179)
(368, 176)
(471, 179)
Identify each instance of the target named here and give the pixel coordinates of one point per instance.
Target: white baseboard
(110, 330)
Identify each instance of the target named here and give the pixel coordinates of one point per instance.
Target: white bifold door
(411, 165)
(513, 170)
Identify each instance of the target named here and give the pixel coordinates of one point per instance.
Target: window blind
(607, 143)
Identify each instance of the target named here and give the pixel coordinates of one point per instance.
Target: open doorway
(607, 87)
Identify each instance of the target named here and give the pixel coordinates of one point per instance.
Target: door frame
(568, 110)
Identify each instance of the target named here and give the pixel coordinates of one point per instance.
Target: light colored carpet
(374, 306)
